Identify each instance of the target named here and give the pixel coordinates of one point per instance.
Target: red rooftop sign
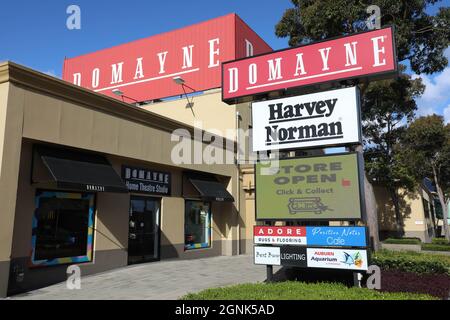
(144, 70)
(362, 55)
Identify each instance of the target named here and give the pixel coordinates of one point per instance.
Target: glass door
(143, 242)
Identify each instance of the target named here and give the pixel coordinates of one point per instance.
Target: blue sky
(36, 32)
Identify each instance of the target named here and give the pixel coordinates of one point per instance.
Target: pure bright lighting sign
(313, 120)
(312, 188)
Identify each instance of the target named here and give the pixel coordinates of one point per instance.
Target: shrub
(410, 261)
(440, 241)
(293, 290)
(436, 247)
(402, 241)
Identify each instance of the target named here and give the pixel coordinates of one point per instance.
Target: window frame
(203, 245)
(40, 193)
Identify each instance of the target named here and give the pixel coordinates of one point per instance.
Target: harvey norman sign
(368, 54)
(319, 119)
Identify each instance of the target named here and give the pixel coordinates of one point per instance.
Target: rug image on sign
(308, 204)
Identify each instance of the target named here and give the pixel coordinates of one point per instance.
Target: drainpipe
(238, 182)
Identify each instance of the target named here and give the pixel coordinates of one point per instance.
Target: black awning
(81, 171)
(212, 190)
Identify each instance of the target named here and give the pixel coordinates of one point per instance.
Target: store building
(88, 178)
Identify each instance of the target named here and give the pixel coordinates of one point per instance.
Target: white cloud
(447, 114)
(437, 92)
(50, 73)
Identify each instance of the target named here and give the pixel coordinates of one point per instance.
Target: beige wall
(208, 111)
(11, 107)
(55, 121)
(415, 223)
(211, 114)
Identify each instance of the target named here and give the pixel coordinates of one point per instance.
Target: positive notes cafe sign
(364, 55)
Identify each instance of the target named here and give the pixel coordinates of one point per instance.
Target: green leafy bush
(410, 261)
(440, 241)
(402, 241)
(436, 247)
(293, 290)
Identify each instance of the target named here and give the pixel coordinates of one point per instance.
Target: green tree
(387, 106)
(425, 151)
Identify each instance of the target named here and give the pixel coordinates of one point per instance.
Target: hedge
(436, 247)
(440, 241)
(410, 261)
(402, 241)
(294, 290)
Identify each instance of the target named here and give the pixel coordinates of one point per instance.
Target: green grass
(410, 261)
(292, 290)
(436, 247)
(402, 241)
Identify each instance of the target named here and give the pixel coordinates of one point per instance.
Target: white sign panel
(267, 255)
(337, 259)
(328, 118)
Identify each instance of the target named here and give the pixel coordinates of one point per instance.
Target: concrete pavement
(158, 281)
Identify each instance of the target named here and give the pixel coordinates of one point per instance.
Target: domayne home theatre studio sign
(319, 119)
(363, 55)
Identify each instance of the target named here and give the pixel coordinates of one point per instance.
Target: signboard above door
(146, 181)
(360, 56)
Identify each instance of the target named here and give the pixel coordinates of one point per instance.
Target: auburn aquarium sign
(329, 118)
(363, 55)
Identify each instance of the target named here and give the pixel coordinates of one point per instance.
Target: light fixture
(180, 81)
(117, 92)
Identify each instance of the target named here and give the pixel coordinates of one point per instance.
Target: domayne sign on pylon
(363, 55)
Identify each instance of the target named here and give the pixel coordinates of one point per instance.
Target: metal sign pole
(269, 270)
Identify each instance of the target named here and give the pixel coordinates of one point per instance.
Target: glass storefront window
(62, 228)
(197, 225)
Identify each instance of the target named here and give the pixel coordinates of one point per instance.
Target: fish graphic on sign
(353, 260)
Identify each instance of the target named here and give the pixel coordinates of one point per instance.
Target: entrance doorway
(144, 231)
